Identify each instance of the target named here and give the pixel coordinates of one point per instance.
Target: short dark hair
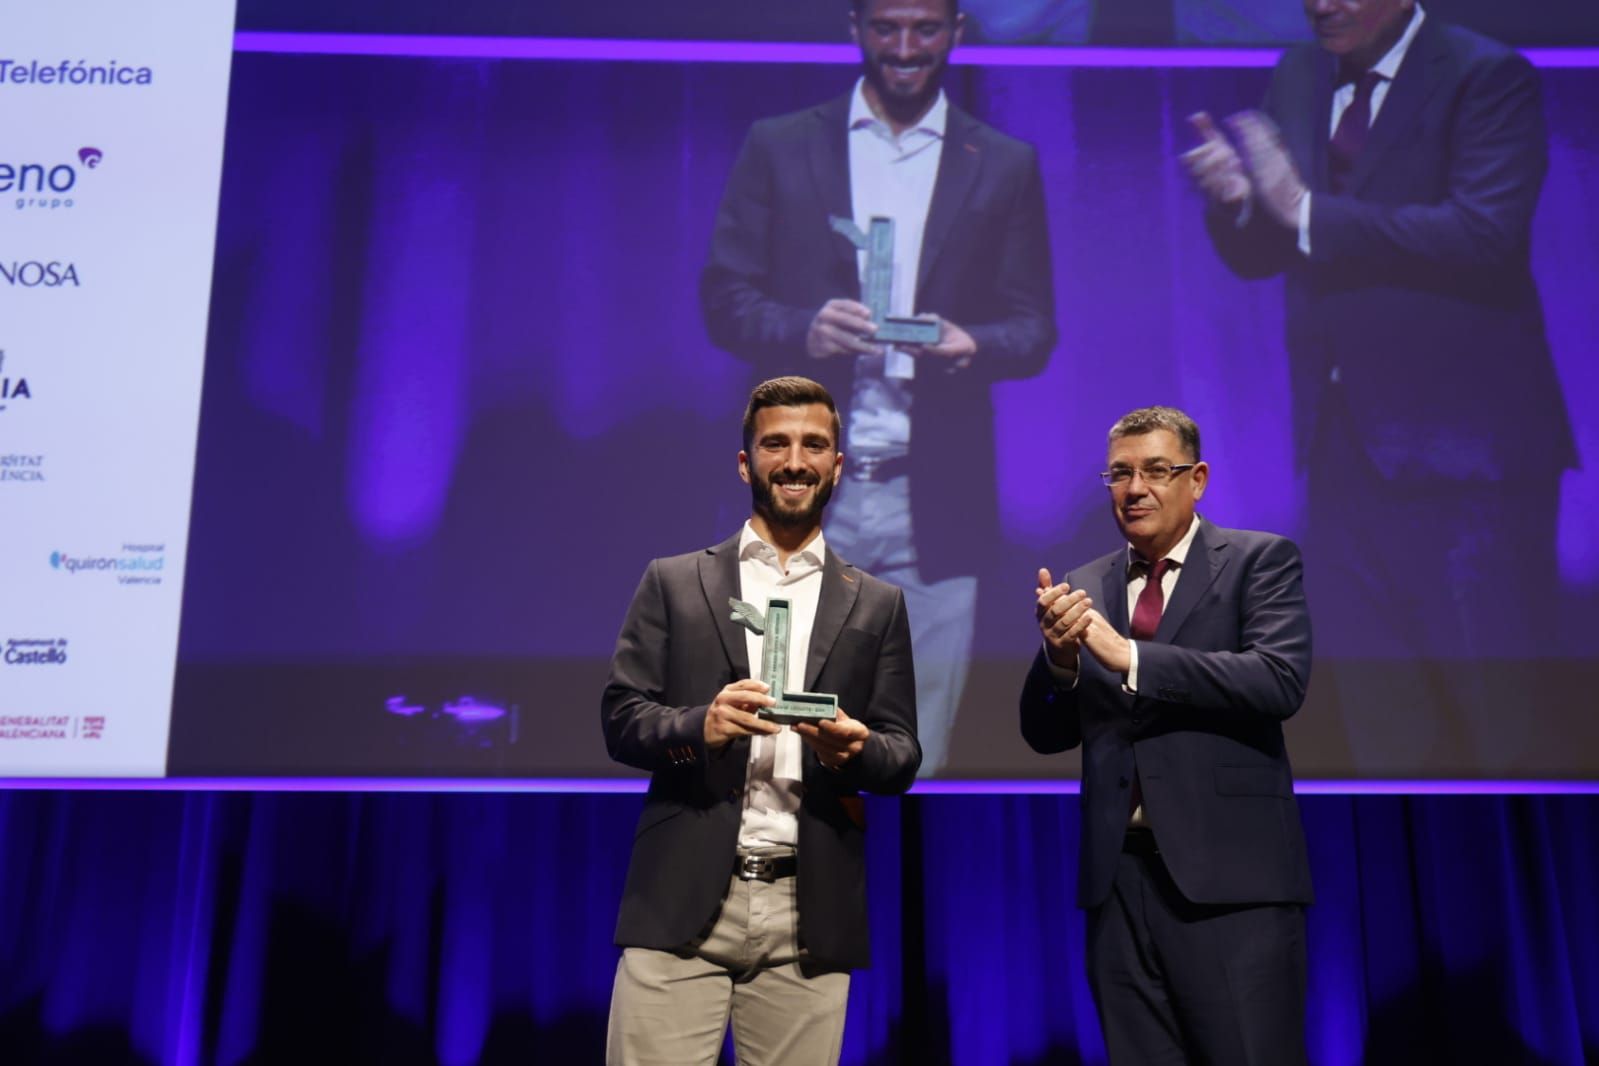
(1149, 419)
(954, 6)
(788, 392)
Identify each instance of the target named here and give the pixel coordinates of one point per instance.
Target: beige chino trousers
(672, 1008)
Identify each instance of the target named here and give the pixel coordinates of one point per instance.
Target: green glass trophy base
(907, 331)
(794, 707)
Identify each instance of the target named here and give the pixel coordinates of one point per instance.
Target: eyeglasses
(1154, 474)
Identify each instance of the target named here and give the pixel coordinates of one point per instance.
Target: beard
(780, 512)
(902, 99)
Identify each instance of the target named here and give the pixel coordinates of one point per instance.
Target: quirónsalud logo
(137, 564)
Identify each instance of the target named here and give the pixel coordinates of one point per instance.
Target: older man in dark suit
(1392, 181)
(1174, 661)
(783, 291)
(746, 890)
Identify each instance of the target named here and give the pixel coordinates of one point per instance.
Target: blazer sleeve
(640, 730)
(1017, 343)
(1259, 247)
(739, 315)
(1050, 718)
(892, 754)
(1269, 672)
(1498, 156)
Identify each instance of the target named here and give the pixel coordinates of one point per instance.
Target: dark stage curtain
(183, 928)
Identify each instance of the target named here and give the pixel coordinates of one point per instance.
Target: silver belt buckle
(754, 868)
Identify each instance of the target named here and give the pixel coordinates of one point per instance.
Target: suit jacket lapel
(959, 162)
(829, 158)
(1207, 557)
(840, 585)
(1318, 133)
(1412, 87)
(1113, 600)
(719, 579)
(1114, 594)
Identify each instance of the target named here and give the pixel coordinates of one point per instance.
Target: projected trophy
(878, 244)
(773, 630)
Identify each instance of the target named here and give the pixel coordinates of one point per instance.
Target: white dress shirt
(890, 176)
(1388, 67)
(773, 783)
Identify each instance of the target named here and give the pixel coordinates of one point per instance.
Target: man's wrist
(1245, 209)
(1065, 674)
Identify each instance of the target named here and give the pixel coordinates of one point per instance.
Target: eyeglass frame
(1173, 470)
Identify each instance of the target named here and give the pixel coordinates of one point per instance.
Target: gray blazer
(678, 647)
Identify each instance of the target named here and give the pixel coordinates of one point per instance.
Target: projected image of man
(1392, 178)
(745, 892)
(1173, 662)
(783, 290)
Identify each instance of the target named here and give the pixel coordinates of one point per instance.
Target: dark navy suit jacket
(1228, 663)
(985, 266)
(1418, 290)
(677, 649)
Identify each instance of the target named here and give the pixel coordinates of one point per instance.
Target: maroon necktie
(1350, 136)
(1146, 612)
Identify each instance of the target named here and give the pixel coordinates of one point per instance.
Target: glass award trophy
(773, 629)
(878, 244)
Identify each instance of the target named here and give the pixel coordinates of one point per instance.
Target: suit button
(1335, 375)
(1121, 783)
(732, 793)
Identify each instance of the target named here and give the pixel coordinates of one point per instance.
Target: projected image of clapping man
(1391, 177)
(745, 893)
(782, 290)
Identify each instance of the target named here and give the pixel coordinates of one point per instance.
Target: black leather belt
(765, 867)
(871, 468)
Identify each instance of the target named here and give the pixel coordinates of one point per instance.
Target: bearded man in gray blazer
(746, 891)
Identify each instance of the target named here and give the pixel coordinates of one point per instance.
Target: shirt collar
(1388, 65)
(750, 546)
(860, 114)
(1179, 552)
